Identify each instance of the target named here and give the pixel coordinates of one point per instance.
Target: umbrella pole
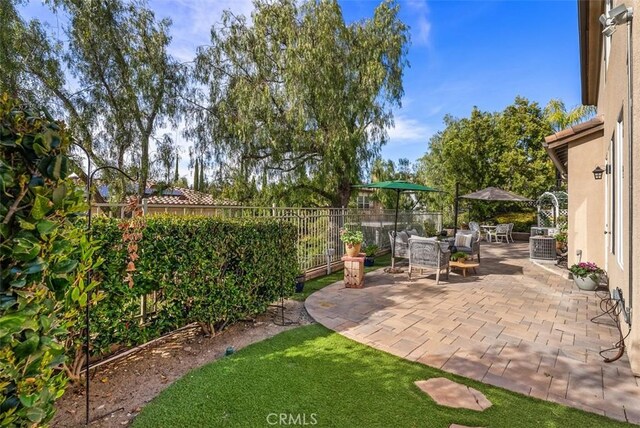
(395, 231)
(455, 213)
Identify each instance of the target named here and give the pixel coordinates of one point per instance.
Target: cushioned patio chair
(468, 242)
(428, 253)
(402, 244)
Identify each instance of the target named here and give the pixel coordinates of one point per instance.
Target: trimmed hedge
(208, 270)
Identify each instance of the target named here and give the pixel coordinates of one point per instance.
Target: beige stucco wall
(586, 210)
(612, 101)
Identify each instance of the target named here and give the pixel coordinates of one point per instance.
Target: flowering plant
(351, 237)
(586, 269)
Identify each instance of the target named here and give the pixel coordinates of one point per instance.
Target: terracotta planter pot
(586, 284)
(352, 250)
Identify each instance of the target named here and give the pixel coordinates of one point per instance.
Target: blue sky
(463, 54)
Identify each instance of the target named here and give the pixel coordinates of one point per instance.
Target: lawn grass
(315, 374)
(316, 284)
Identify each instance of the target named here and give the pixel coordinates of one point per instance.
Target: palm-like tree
(559, 118)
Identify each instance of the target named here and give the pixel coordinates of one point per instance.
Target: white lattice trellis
(553, 209)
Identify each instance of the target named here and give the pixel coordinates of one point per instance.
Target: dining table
(488, 229)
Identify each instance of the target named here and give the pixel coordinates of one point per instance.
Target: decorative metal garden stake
(90, 175)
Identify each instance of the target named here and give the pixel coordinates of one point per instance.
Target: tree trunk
(144, 165)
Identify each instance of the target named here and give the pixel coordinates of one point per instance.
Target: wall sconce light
(597, 173)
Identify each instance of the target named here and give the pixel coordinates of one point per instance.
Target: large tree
(490, 149)
(123, 84)
(298, 98)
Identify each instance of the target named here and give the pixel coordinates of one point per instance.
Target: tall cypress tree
(196, 177)
(201, 181)
(176, 175)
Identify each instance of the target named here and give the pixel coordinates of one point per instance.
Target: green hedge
(522, 221)
(207, 270)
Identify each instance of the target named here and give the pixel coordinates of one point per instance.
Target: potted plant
(459, 256)
(300, 282)
(586, 275)
(561, 240)
(449, 229)
(370, 253)
(352, 241)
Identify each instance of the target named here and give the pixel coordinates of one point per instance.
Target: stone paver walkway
(514, 325)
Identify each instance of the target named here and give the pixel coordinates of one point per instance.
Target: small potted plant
(561, 240)
(459, 256)
(352, 241)
(370, 253)
(586, 275)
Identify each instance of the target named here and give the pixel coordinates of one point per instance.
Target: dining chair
(501, 231)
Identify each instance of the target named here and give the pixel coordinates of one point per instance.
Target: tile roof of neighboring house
(182, 196)
(557, 144)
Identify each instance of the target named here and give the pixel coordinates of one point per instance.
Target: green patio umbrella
(399, 186)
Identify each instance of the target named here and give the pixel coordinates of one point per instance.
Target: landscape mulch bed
(120, 388)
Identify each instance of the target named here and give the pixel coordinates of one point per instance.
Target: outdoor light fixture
(597, 173)
(618, 15)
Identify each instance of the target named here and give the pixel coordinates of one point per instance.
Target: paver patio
(514, 325)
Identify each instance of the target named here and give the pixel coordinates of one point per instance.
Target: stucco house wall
(586, 211)
(612, 103)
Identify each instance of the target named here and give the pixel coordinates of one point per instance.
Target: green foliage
(522, 221)
(556, 113)
(561, 237)
(44, 256)
(430, 228)
(371, 250)
(299, 96)
(350, 236)
(116, 51)
(459, 256)
(202, 269)
(586, 269)
(490, 149)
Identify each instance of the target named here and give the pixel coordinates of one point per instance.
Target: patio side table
(354, 271)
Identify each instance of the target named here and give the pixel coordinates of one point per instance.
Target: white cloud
(192, 21)
(421, 29)
(408, 130)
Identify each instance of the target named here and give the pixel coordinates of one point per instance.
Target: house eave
(590, 33)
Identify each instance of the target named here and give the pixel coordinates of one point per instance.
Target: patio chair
(474, 226)
(510, 232)
(428, 253)
(402, 244)
(468, 242)
(501, 231)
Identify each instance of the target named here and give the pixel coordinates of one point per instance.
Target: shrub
(522, 221)
(371, 250)
(44, 258)
(207, 270)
